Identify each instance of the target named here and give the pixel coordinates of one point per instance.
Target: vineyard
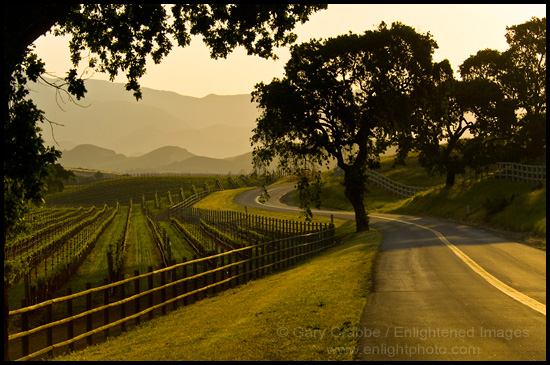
(102, 257)
(153, 188)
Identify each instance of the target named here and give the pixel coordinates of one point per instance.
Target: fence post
(230, 283)
(245, 268)
(272, 256)
(88, 316)
(237, 279)
(174, 277)
(184, 275)
(110, 263)
(24, 328)
(70, 325)
(256, 262)
(149, 287)
(222, 274)
(163, 291)
(136, 291)
(195, 281)
(122, 308)
(26, 285)
(205, 269)
(278, 254)
(286, 252)
(262, 261)
(106, 310)
(49, 319)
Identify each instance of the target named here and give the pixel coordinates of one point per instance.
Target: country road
(445, 291)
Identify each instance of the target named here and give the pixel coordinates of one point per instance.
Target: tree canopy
(346, 98)
(520, 72)
(500, 102)
(455, 108)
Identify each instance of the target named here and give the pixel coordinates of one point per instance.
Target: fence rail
(231, 222)
(192, 199)
(394, 187)
(177, 284)
(519, 172)
(501, 170)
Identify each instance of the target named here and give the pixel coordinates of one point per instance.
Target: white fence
(502, 170)
(519, 172)
(395, 188)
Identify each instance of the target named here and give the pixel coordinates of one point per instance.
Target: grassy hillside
(504, 205)
(125, 188)
(303, 313)
(409, 174)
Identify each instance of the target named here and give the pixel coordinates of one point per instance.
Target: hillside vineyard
(180, 255)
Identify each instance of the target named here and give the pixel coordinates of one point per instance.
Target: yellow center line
(511, 292)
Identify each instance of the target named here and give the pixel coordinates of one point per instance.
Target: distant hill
(216, 126)
(168, 159)
(90, 157)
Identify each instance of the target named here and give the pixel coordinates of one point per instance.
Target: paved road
(446, 291)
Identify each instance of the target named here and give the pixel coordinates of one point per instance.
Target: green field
(303, 313)
(325, 293)
(125, 188)
(523, 213)
(141, 249)
(94, 267)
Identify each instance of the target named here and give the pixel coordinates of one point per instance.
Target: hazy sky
(459, 30)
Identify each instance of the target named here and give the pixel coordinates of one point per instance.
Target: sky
(460, 30)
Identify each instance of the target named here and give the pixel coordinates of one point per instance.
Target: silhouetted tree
(346, 98)
(455, 107)
(520, 72)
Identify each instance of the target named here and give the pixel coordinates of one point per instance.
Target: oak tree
(347, 98)
(520, 72)
(456, 108)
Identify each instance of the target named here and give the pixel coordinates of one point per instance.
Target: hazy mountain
(90, 157)
(214, 126)
(207, 165)
(168, 159)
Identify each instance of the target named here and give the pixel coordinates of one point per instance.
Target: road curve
(445, 291)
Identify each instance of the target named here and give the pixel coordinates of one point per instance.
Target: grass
(225, 198)
(523, 217)
(180, 248)
(222, 200)
(94, 268)
(142, 251)
(304, 312)
(525, 212)
(298, 314)
(409, 174)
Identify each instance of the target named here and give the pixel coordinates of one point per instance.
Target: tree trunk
(6, 314)
(355, 187)
(361, 217)
(450, 179)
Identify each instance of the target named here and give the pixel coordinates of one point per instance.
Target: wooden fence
(191, 200)
(109, 309)
(231, 222)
